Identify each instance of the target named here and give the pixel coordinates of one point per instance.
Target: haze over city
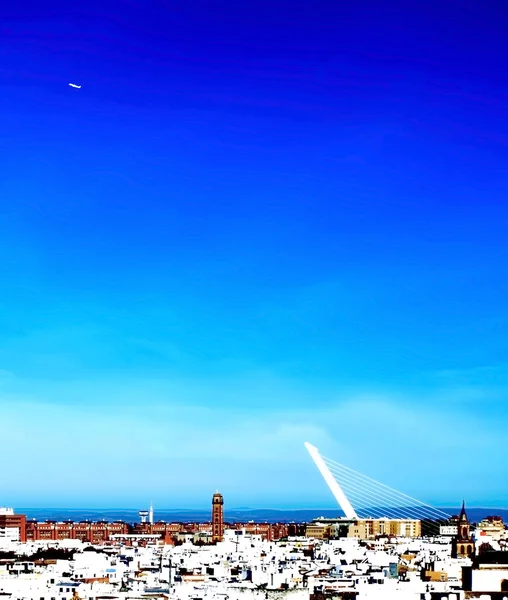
(252, 226)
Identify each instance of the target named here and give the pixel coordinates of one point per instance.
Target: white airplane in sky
(75, 86)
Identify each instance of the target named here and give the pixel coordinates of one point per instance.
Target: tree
(485, 548)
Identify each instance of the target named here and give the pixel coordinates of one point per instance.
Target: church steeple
(463, 544)
(463, 516)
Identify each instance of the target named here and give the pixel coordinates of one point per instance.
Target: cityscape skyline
(245, 229)
(455, 558)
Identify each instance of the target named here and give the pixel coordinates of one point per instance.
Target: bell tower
(463, 544)
(217, 517)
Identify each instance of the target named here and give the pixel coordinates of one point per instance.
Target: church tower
(217, 517)
(463, 544)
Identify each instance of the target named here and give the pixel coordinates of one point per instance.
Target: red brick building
(268, 531)
(103, 532)
(93, 533)
(166, 531)
(99, 533)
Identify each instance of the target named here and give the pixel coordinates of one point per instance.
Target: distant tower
(143, 515)
(217, 517)
(150, 514)
(463, 544)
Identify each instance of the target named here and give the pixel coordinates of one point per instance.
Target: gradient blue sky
(256, 224)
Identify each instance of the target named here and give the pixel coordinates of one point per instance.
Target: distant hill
(240, 514)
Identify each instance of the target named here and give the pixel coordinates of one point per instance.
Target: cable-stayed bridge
(361, 497)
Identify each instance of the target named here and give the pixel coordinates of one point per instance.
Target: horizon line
(207, 508)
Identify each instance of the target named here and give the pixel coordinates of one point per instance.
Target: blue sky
(253, 225)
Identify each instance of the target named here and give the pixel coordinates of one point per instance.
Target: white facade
(448, 530)
(8, 533)
(242, 567)
(489, 579)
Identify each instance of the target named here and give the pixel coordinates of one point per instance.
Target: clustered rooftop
(338, 558)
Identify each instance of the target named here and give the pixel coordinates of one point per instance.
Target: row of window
(62, 597)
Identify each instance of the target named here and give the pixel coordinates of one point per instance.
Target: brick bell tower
(217, 517)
